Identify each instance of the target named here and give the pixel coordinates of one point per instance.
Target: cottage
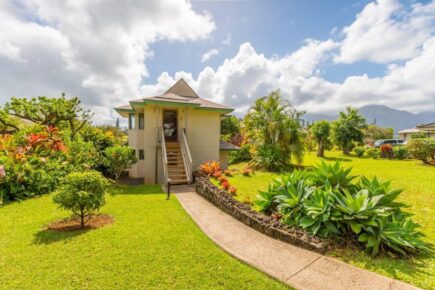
(429, 129)
(173, 133)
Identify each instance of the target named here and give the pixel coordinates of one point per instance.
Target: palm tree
(273, 123)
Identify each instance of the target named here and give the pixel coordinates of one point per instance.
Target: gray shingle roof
(223, 145)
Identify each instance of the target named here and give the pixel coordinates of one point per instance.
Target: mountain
(385, 117)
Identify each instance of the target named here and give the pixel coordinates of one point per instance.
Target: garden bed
(72, 224)
(258, 221)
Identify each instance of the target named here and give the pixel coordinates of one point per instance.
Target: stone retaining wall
(256, 220)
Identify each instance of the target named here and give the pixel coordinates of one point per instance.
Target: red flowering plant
(386, 151)
(225, 185)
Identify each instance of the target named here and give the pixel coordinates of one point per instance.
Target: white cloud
(386, 31)
(209, 54)
(94, 49)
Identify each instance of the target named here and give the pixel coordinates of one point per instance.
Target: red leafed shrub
(217, 174)
(232, 190)
(225, 185)
(228, 173)
(210, 168)
(386, 151)
(222, 179)
(247, 171)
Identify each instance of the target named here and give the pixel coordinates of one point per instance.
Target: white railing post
(187, 157)
(167, 181)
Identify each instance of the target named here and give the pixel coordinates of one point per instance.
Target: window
(141, 154)
(131, 121)
(141, 121)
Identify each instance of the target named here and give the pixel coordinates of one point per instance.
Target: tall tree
(230, 126)
(321, 131)
(348, 129)
(272, 122)
(59, 112)
(374, 132)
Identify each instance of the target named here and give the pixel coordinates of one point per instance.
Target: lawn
(153, 244)
(418, 182)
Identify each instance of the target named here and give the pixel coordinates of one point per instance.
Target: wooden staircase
(176, 170)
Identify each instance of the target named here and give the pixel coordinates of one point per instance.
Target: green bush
(243, 154)
(82, 193)
(359, 151)
(269, 158)
(119, 159)
(373, 153)
(422, 149)
(400, 152)
(327, 202)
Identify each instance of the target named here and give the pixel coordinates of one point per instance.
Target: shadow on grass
(393, 265)
(136, 189)
(46, 237)
(343, 159)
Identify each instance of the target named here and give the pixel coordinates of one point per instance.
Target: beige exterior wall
(224, 155)
(202, 131)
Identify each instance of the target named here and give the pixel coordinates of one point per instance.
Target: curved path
(293, 266)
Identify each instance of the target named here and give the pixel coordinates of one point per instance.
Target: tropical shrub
(228, 173)
(348, 129)
(241, 155)
(400, 152)
(118, 159)
(270, 158)
(329, 202)
(210, 168)
(373, 152)
(359, 151)
(422, 149)
(321, 131)
(82, 193)
(34, 159)
(232, 190)
(274, 128)
(386, 151)
(247, 171)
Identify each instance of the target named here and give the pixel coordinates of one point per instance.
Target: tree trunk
(82, 218)
(345, 151)
(320, 150)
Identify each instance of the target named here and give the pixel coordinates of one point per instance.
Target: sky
(322, 55)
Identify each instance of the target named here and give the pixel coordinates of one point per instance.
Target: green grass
(153, 244)
(418, 182)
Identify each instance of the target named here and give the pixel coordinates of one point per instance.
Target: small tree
(348, 129)
(119, 159)
(321, 131)
(82, 193)
(422, 149)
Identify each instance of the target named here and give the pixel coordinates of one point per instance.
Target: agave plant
(375, 187)
(320, 215)
(291, 199)
(333, 175)
(396, 232)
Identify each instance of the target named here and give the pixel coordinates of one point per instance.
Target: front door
(170, 125)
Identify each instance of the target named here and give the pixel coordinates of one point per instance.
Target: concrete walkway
(299, 268)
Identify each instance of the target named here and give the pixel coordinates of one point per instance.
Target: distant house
(173, 133)
(428, 128)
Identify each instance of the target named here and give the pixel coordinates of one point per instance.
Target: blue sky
(275, 27)
(322, 55)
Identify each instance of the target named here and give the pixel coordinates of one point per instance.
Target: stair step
(180, 181)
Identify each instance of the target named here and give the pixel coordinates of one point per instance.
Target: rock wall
(256, 220)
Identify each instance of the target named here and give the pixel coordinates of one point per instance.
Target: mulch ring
(72, 224)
